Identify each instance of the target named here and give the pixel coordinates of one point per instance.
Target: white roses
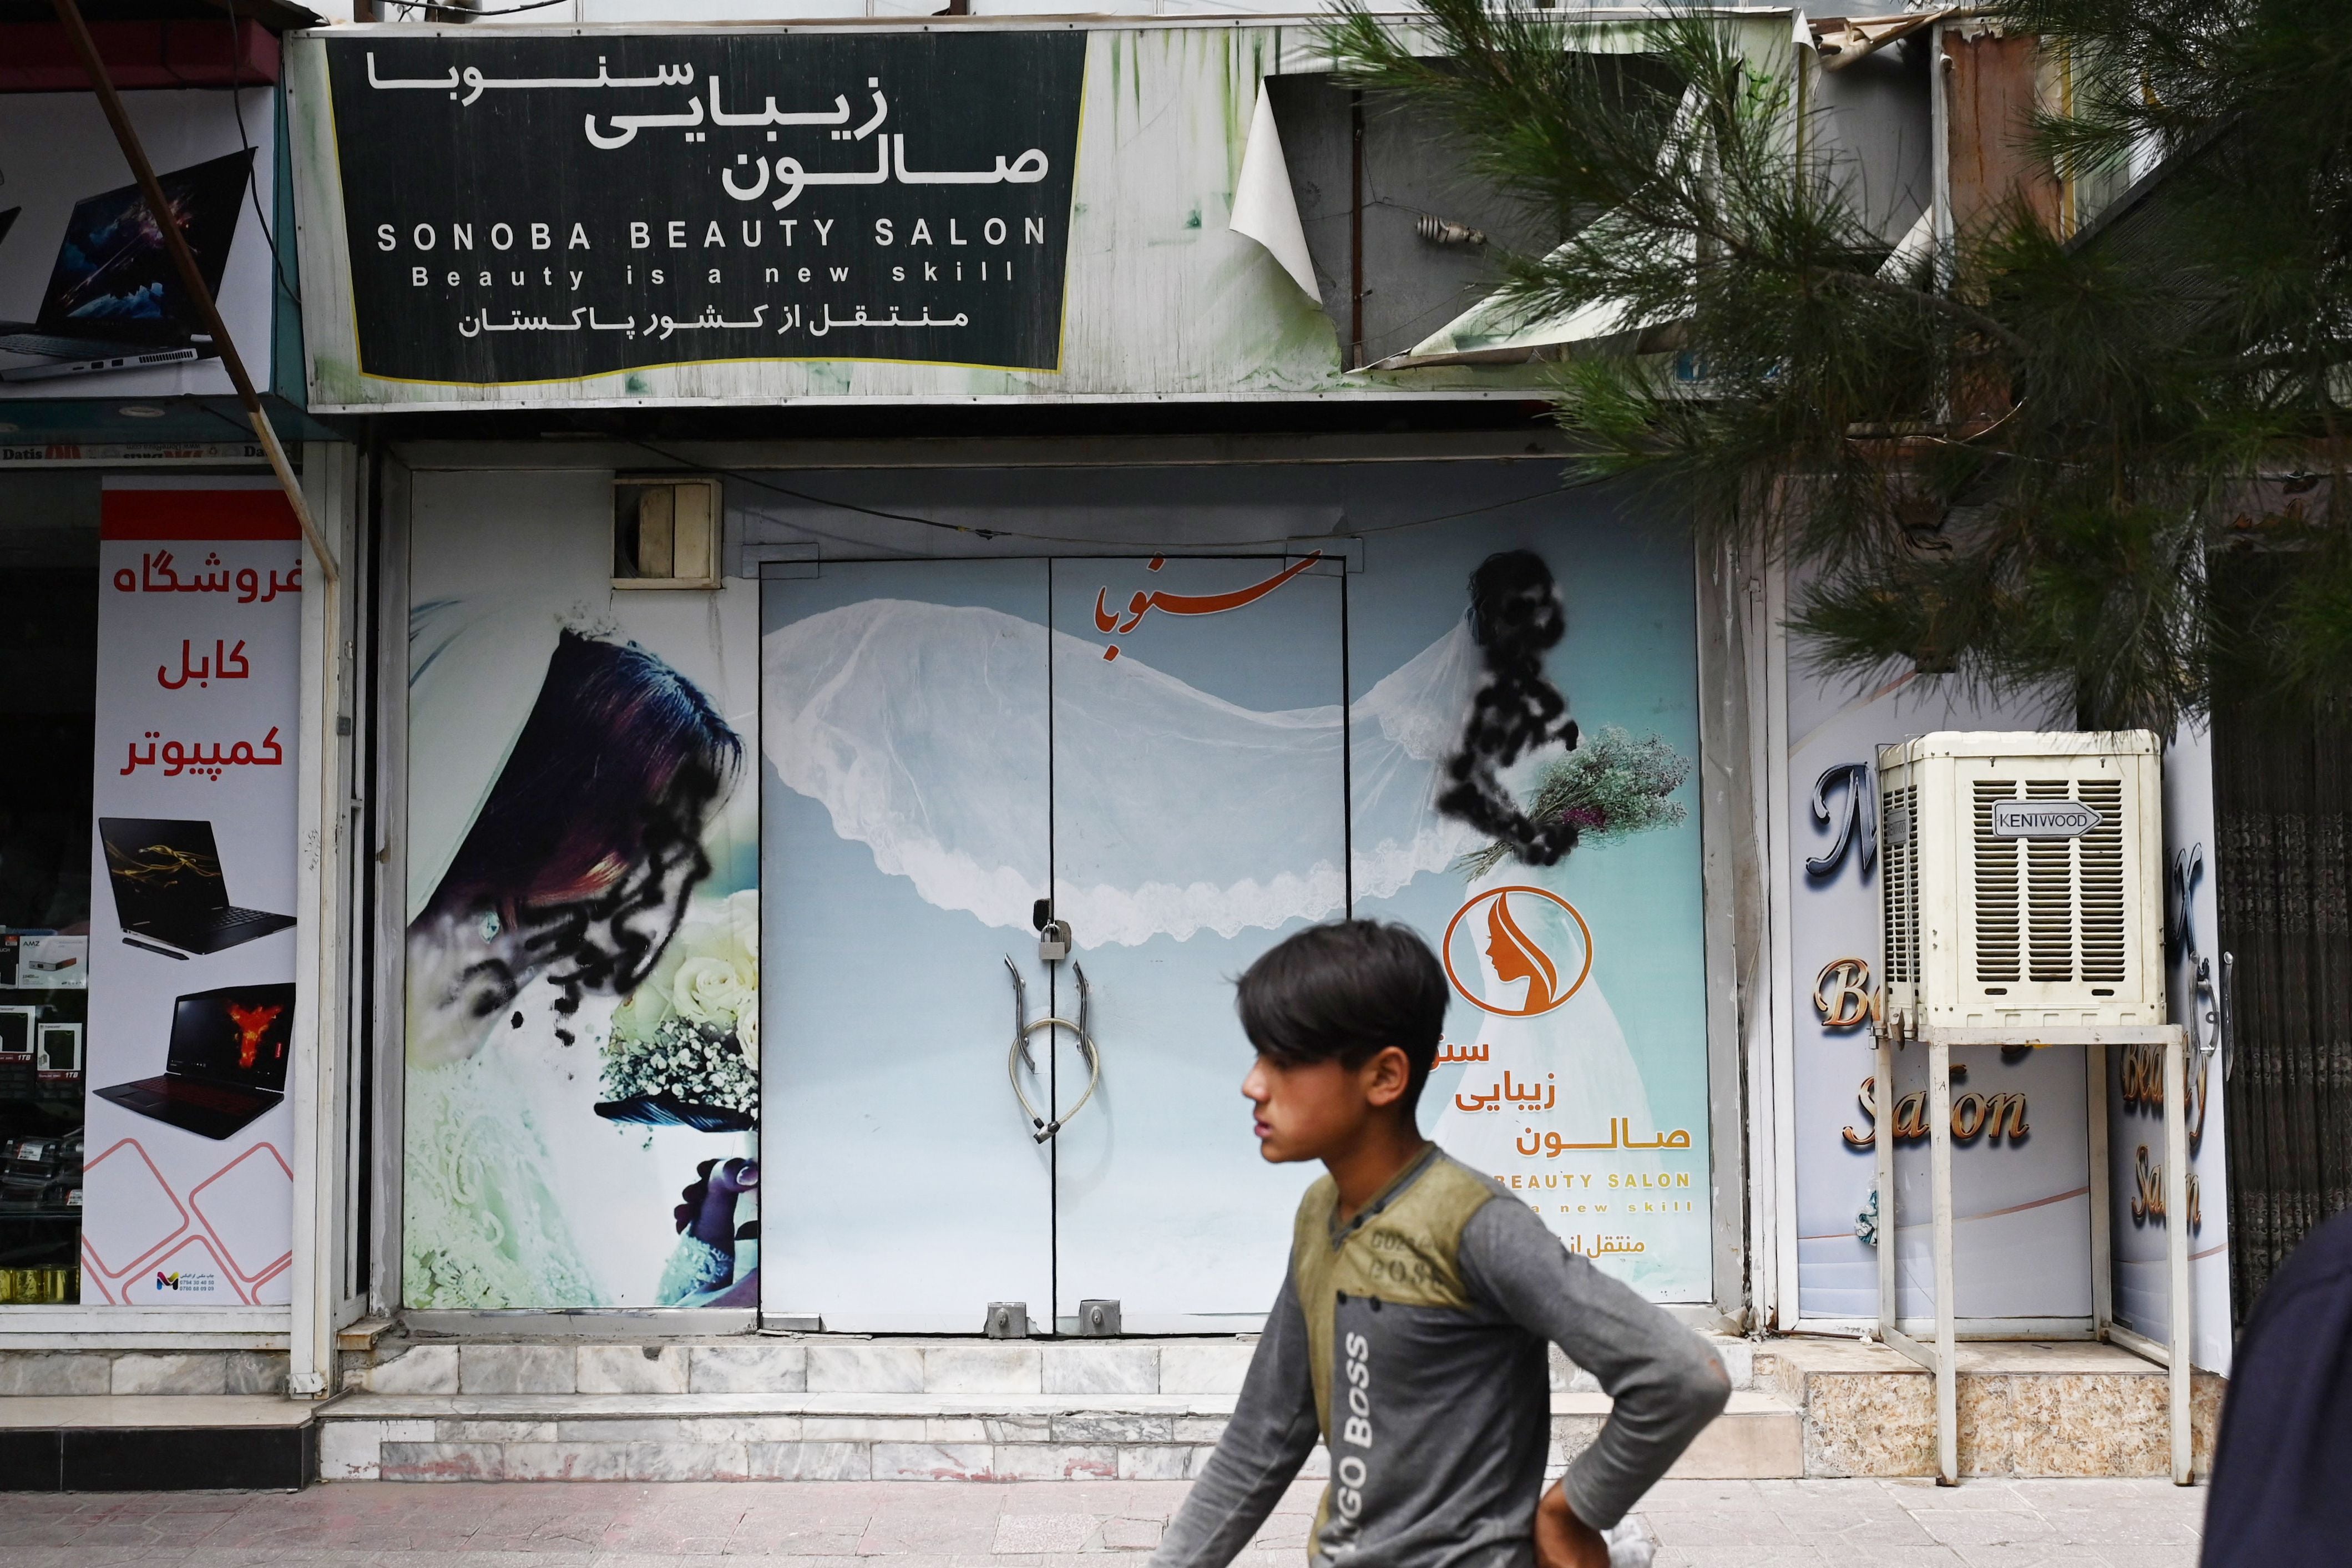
(708, 975)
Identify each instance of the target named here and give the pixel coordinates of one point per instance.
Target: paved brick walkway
(1699, 1524)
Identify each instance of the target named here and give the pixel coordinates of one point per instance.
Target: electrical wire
(470, 13)
(252, 181)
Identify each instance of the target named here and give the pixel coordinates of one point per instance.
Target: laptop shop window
(49, 651)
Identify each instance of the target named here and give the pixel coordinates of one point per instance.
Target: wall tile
(349, 1450)
(748, 1369)
(200, 1371)
(627, 1369)
(981, 1368)
(55, 1371)
(1154, 1464)
(1104, 1427)
(565, 1462)
(516, 1369)
(426, 1369)
(256, 1371)
(1107, 1368)
(1204, 1366)
(932, 1462)
(808, 1461)
(688, 1462)
(441, 1461)
(1054, 1462)
(865, 1369)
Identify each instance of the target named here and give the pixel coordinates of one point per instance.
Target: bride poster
(582, 1100)
(1574, 1065)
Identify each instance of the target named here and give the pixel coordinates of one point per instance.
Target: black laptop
(115, 300)
(169, 888)
(227, 1063)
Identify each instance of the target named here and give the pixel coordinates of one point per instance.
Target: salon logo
(1517, 952)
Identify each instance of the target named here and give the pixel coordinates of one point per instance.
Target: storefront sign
(531, 209)
(189, 1186)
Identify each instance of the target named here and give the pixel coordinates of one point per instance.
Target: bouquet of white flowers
(685, 1046)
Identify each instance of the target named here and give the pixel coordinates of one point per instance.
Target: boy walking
(1409, 1333)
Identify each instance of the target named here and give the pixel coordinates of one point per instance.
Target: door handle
(1040, 1130)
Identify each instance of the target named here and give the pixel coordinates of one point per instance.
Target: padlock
(1053, 941)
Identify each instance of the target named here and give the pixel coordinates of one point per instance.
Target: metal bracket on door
(1020, 1056)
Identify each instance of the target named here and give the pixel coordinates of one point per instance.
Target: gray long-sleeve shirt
(1412, 1340)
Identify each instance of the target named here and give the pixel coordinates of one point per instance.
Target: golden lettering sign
(1841, 995)
(1991, 1117)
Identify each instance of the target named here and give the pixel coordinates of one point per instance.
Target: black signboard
(533, 209)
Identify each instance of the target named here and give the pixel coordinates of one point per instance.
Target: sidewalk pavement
(1047, 1524)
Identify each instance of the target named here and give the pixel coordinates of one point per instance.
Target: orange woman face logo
(1504, 921)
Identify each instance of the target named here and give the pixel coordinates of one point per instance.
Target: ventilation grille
(2050, 911)
(1899, 882)
(1996, 889)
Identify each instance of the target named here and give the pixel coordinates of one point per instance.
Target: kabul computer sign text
(541, 208)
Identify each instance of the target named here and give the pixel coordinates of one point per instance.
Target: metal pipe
(191, 279)
(1356, 231)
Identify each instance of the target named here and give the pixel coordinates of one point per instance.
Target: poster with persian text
(1574, 1065)
(524, 209)
(188, 1145)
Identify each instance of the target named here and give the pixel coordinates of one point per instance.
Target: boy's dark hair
(1345, 991)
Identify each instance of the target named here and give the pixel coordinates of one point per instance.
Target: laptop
(169, 888)
(115, 300)
(227, 1063)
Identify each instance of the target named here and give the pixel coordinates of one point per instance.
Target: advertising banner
(532, 209)
(189, 1185)
(90, 304)
(582, 1010)
(1574, 1065)
(2020, 1144)
(2194, 981)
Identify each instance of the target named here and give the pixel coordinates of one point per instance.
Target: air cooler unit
(2020, 881)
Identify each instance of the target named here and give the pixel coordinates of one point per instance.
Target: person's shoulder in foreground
(2282, 1491)
(1408, 1334)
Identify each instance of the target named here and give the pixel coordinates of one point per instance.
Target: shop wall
(583, 968)
(2021, 1193)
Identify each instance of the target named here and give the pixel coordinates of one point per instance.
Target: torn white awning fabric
(1265, 209)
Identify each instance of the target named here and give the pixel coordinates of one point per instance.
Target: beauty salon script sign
(541, 208)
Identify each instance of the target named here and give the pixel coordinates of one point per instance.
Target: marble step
(2026, 1409)
(1014, 1435)
(756, 1363)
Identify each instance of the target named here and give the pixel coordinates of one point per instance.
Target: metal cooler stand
(1941, 1358)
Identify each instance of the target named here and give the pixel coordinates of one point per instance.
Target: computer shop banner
(90, 304)
(188, 1140)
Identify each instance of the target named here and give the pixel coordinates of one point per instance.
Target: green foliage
(1611, 786)
(2008, 459)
